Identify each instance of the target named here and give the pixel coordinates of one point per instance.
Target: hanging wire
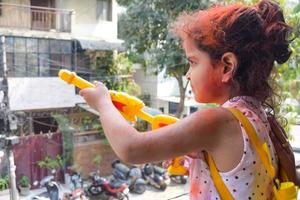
(56, 65)
(45, 124)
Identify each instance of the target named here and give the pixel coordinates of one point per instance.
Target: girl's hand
(96, 97)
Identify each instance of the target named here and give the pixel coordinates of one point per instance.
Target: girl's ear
(229, 62)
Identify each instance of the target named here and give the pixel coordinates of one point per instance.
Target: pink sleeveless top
(249, 179)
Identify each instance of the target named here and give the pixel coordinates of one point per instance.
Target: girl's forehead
(191, 48)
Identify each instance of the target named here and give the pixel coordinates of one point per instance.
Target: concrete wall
(148, 84)
(86, 24)
(19, 17)
(41, 93)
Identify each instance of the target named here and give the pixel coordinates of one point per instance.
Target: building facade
(44, 36)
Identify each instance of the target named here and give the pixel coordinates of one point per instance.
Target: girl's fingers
(98, 83)
(81, 92)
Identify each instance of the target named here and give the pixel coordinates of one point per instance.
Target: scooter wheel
(95, 190)
(124, 197)
(163, 186)
(183, 180)
(120, 196)
(139, 189)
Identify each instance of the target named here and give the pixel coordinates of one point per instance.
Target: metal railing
(35, 18)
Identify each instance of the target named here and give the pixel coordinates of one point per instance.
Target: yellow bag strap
(262, 149)
(217, 179)
(285, 190)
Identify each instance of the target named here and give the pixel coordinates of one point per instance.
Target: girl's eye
(192, 62)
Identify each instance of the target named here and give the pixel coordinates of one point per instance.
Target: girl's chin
(203, 100)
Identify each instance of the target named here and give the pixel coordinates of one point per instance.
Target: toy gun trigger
(119, 105)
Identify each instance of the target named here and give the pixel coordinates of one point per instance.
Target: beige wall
(85, 23)
(16, 16)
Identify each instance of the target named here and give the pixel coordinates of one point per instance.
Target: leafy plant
(50, 163)
(86, 123)
(3, 183)
(97, 160)
(67, 137)
(116, 72)
(24, 181)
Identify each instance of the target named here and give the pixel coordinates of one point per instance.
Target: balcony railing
(35, 18)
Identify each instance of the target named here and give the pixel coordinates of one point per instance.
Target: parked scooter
(52, 188)
(112, 187)
(179, 179)
(154, 176)
(131, 176)
(77, 193)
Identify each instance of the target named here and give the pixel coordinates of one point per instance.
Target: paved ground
(173, 191)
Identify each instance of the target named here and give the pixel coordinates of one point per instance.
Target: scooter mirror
(53, 171)
(35, 183)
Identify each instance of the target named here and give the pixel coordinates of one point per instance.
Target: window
(172, 107)
(32, 45)
(20, 64)
(1, 66)
(32, 57)
(9, 41)
(1, 8)
(104, 10)
(9, 63)
(44, 64)
(19, 45)
(193, 109)
(33, 64)
(43, 46)
(161, 109)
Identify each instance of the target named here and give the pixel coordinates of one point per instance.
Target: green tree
(117, 72)
(145, 29)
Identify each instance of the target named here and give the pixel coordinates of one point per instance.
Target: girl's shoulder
(249, 106)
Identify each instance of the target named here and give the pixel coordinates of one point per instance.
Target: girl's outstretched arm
(209, 129)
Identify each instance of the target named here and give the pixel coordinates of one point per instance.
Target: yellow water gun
(131, 108)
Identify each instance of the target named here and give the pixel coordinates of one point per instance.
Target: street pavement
(173, 191)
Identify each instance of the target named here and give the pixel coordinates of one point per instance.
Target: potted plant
(4, 186)
(24, 185)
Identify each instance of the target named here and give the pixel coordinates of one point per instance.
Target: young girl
(231, 50)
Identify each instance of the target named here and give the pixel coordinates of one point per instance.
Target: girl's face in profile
(205, 78)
